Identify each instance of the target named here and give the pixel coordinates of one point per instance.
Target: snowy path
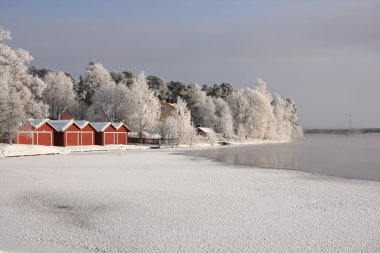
(154, 201)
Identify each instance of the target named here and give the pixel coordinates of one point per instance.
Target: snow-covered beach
(17, 150)
(160, 201)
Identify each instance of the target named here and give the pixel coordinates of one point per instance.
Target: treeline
(100, 95)
(83, 90)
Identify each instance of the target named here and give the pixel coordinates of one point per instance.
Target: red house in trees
(40, 132)
(65, 115)
(108, 133)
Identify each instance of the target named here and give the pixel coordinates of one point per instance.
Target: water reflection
(354, 156)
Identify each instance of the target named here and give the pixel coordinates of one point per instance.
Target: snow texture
(155, 201)
(14, 150)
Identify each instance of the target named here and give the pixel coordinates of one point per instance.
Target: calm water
(353, 156)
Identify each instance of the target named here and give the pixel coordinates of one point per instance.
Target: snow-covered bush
(3, 148)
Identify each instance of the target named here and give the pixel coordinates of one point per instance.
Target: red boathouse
(40, 132)
(87, 132)
(72, 133)
(108, 133)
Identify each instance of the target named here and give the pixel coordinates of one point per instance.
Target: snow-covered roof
(100, 126)
(117, 125)
(81, 123)
(205, 129)
(60, 125)
(36, 123)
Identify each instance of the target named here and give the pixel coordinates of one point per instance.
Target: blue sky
(324, 54)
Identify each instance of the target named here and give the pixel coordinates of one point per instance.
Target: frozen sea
(350, 156)
(158, 201)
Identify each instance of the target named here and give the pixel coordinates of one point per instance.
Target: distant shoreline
(341, 131)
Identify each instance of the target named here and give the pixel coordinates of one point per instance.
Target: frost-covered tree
(261, 122)
(79, 110)
(224, 123)
(178, 89)
(96, 77)
(202, 107)
(118, 77)
(143, 106)
(130, 77)
(240, 113)
(11, 110)
(41, 73)
(157, 84)
(297, 131)
(257, 114)
(125, 77)
(178, 124)
(58, 94)
(112, 100)
(169, 128)
(283, 126)
(218, 91)
(285, 113)
(20, 96)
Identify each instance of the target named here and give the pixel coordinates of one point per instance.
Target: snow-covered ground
(157, 201)
(31, 150)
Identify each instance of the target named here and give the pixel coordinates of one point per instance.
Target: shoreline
(19, 150)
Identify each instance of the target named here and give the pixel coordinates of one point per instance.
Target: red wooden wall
(44, 135)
